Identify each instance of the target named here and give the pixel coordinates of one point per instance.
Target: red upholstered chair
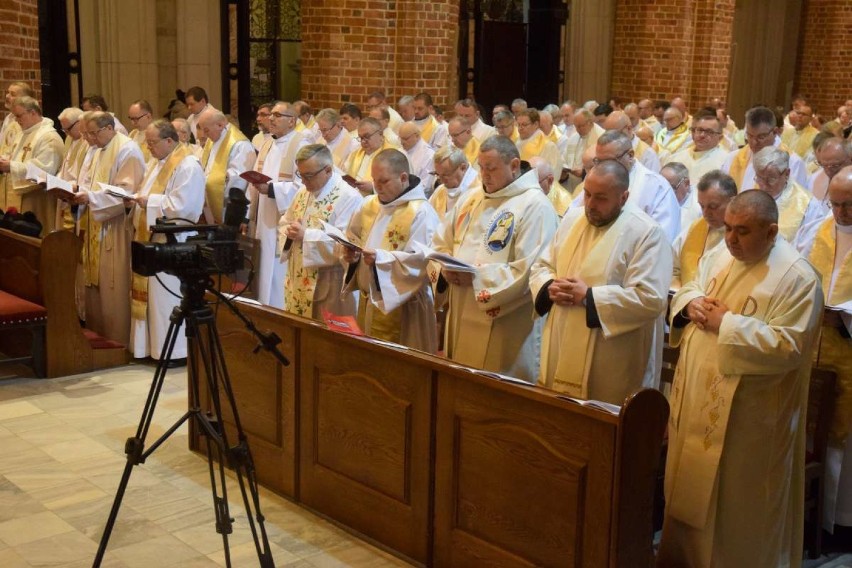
(17, 313)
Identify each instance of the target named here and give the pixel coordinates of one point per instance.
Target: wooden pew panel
(365, 423)
(517, 482)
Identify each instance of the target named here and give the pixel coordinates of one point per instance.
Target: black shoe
(176, 363)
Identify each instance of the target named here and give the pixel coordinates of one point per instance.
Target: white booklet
(36, 174)
(447, 261)
(599, 404)
(338, 235)
(116, 191)
(59, 187)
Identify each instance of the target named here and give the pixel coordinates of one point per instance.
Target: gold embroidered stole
(12, 196)
(822, 257)
(357, 159)
(693, 250)
(428, 129)
(560, 198)
(214, 185)
(792, 206)
(534, 146)
(139, 290)
(385, 326)
(138, 136)
(339, 151)
(75, 152)
(675, 141)
(554, 135)
(301, 281)
(102, 163)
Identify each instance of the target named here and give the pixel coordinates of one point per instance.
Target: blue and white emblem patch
(500, 232)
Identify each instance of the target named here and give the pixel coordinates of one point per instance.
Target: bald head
(618, 120)
(544, 172)
(755, 204)
(605, 192)
(833, 155)
(588, 158)
(840, 196)
(409, 135)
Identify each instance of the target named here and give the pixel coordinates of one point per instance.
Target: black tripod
(201, 325)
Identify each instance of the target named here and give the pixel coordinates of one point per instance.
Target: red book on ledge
(343, 324)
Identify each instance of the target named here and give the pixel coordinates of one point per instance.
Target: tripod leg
(135, 447)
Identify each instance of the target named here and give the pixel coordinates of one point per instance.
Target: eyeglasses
(835, 166)
(312, 175)
(138, 118)
(367, 136)
(597, 161)
(760, 138)
(457, 134)
(704, 131)
(69, 127)
(154, 142)
(96, 132)
(281, 115)
(327, 130)
(770, 180)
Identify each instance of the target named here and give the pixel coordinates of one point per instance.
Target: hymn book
(35, 174)
(598, 404)
(446, 261)
(58, 187)
(116, 191)
(338, 235)
(256, 178)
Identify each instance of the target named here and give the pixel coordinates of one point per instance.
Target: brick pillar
(668, 48)
(823, 71)
(20, 59)
(401, 47)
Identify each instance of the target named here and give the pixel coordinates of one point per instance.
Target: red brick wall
(668, 48)
(824, 68)
(353, 47)
(19, 58)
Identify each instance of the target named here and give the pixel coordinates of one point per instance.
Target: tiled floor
(61, 457)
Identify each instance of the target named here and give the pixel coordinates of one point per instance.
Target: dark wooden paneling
(518, 482)
(366, 431)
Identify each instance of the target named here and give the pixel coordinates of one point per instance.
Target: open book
(254, 177)
(338, 235)
(599, 404)
(36, 174)
(350, 180)
(58, 187)
(116, 191)
(446, 261)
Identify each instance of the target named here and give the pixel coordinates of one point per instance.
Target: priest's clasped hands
(351, 256)
(706, 313)
(458, 278)
(567, 291)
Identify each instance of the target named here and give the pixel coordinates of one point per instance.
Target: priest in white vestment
(277, 160)
(646, 113)
(76, 149)
(390, 135)
(559, 197)
(197, 102)
(532, 141)
(227, 153)
(800, 137)
(420, 155)
(797, 208)
(432, 132)
(585, 136)
(461, 136)
(469, 111)
(746, 327)
(105, 226)
(603, 283)
(38, 145)
(687, 197)
(264, 111)
(141, 115)
(458, 179)
(390, 271)
(501, 230)
(705, 154)
(359, 163)
(834, 155)
(618, 120)
(675, 134)
(335, 136)
(314, 271)
(649, 191)
(760, 132)
(704, 235)
(829, 250)
(173, 188)
(11, 130)
(377, 99)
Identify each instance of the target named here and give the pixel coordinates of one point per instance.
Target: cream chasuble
(560, 198)
(444, 199)
(217, 173)
(800, 141)
(628, 266)
(797, 208)
(690, 247)
(540, 145)
(734, 475)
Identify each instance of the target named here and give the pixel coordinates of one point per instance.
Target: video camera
(214, 250)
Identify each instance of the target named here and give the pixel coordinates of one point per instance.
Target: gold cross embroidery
(27, 150)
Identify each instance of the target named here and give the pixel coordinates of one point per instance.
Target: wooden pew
(438, 464)
(42, 271)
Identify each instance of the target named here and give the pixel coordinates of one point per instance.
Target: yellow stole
(385, 326)
(560, 198)
(515, 135)
(534, 146)
(139, 288)
(10, 137)
(693, 250)
(102, 163)
(641, 148)
(214, 185)
(739, 165)
(358, 158)
(832, 347)
(428, 129)
(75, 151)
(791, 210)
(554, 135)
(339, 152)
(676, 139)
(136, 133)
(301, 281)
(471, 150)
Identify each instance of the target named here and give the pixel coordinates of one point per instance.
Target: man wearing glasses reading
(141, 114)
(834, 155)
(359, 163)
(276, 159)
(761, 131)
(336, 137)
